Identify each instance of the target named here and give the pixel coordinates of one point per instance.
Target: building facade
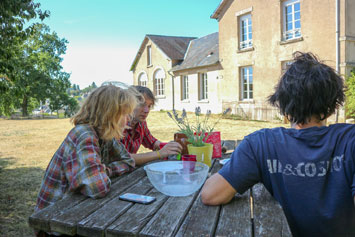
(196, 79)
(155, 58)
(257, 40)
(239, 66)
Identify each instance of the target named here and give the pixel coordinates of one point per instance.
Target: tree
(58, 95)
(93, 85)
(71, 107)
(350, 95)
(14, 15)
(38, 73)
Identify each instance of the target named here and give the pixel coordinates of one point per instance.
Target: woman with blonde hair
(90, 154)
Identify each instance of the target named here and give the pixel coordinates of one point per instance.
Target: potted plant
(197, 132)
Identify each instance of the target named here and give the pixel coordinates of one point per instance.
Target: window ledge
(246, 101)
(203, 101)
(160, 97)
(282, 42)
(185, 101)
(245, 50)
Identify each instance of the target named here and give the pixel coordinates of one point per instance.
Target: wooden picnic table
(255, 213)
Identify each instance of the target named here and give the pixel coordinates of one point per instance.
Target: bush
(350, 95)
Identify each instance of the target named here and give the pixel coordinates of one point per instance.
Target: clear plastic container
(172, 178)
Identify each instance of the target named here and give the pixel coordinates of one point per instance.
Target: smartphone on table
(132, 197)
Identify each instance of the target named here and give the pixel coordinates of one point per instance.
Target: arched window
(159, 86)
(142, 79)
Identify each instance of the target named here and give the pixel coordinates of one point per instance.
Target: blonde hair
(105, 108)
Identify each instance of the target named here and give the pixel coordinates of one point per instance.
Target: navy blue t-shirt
(311, 172)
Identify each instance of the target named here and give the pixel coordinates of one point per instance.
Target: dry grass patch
(27, 146)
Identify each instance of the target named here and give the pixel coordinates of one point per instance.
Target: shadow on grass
(4, 162)
(19, 188)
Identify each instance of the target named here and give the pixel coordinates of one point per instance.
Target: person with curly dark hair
(309, 168)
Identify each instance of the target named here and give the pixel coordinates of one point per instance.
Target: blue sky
(104, 36)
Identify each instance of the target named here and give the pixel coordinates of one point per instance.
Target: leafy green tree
(39, 72)
(14, 14)
(350, 95)
(58, 95)
(71, 107)
(6, 105)
(93, 85)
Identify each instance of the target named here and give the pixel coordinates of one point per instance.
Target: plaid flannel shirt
(83, 163)
(142, 136)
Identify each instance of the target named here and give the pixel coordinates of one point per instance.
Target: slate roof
(201, 52)
(173, 47)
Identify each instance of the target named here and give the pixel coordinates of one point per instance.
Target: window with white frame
(246, 83)
(159, 86)
(149, 55)
(246, 34)
(142, 79)
(203, 86)
(184, 87)
(291, 19)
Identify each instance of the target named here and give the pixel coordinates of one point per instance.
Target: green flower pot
(203, 153)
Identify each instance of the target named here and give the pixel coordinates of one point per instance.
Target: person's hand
(172, 148)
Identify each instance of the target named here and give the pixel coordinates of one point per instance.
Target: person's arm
(217, 191)
(84, 170)
(156, 145)
(143, 158)
(120, 161)
(239, 174)
(172, 148)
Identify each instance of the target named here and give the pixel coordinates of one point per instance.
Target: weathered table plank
(200, 221)
(169, 217)
(40, 220)
(269, 218)
(235, 218)
(96, 223)
(67, 221)
(193, 224)
(132, 221)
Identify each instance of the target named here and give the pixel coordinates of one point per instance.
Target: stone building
(196, 79)
(239, 66)
(156, 56)
(257, 40)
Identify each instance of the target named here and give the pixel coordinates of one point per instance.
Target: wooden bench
(255, 213)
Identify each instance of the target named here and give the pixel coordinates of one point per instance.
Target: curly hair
(308, 88)
(105, 108)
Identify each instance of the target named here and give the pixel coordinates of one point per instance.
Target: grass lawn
(26, 147)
